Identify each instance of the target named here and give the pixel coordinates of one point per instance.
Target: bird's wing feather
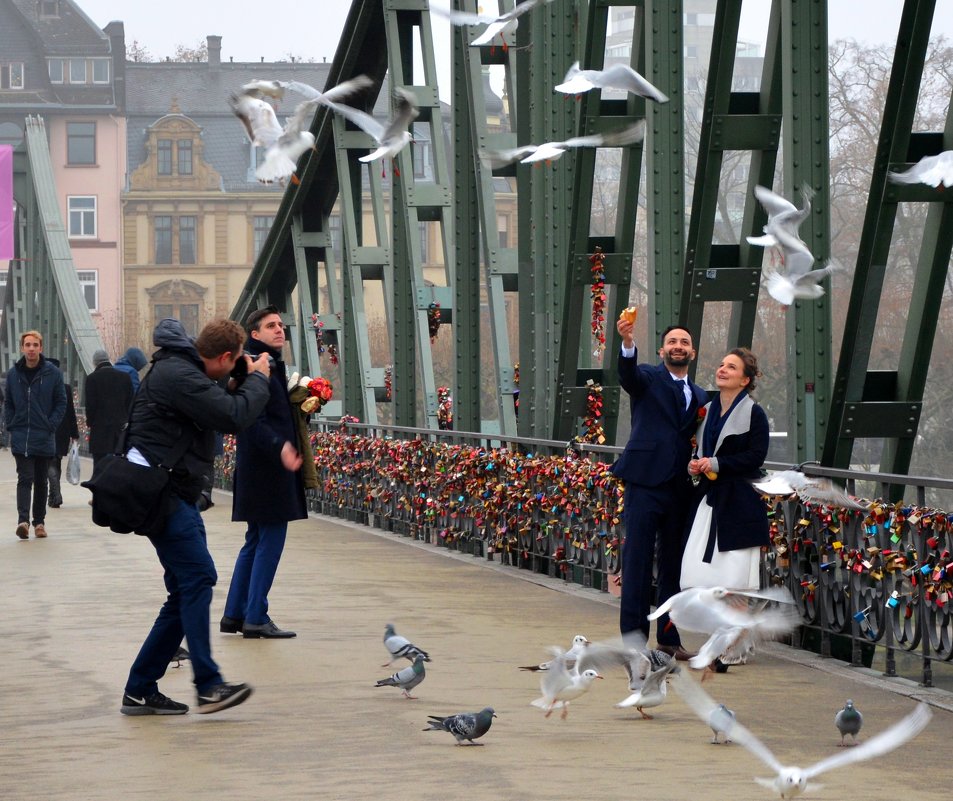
(773, 203)
(878, 745)
(623, 76)
(361, 119)
(495, 159)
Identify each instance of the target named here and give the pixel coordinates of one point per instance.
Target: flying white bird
(790, 781)
(782, 215)
(735, 627)
(813, 489)
(559, 686)
(632, 654)
(617, 76)
(500, 25)
(390, 138)
(284, 146)
(550, 151)
(935, 171)
(579, 644)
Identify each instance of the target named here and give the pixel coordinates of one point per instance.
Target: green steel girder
(806, 136)
(868, 403)
(576, 362)
(43, 290)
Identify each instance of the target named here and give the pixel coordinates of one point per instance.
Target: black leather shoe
(230, 625)
(680, 654)
(268, 631)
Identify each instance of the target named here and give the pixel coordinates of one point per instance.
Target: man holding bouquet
(268, 490)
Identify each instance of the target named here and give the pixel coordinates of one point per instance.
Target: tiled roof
(71, 33)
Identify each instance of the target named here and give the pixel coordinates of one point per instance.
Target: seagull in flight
(935, 171)
(551, 151)
(812, 489)
(390, 138)
(616, 76)
(284, 145)
(495, 25)
(790, 781)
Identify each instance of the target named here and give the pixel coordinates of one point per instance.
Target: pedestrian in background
(109, 396)
(130, 363)
(34, 405)
(67, 432)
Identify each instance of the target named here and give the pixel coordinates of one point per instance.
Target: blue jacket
(34, 408)
(130, 363)
(264, 491)
(659, 445)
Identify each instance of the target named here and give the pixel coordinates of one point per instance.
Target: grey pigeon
(848, 721)
(721, 720)
(467, 726)
(400, 647)
(406, 678)
(180, 656)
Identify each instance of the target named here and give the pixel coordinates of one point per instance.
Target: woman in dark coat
(730, 522)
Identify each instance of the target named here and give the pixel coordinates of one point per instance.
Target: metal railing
(861, 580)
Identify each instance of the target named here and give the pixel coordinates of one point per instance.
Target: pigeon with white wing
(390, 138)
(464, 726)
(935, 171)
(811, 489)
(790, 781)
(400, 647)
(284, 145)
(728, 617)
(407, 678)
(616, 76)
(500, 25)
(559, 685)
(551, 151)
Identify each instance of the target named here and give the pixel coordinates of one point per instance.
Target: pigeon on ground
(503, 24)
(560, 686)
(180, 656)
(406, 678)
(467, 726)
(283, 146)
(726, 615)
(811, 489)
(935, 171)
(790, 781)
(653, 691)
(616, 76)
(551, 151)
(393, 137)
(579, 643)
(848, 721)
(721, 720)
(400, 647)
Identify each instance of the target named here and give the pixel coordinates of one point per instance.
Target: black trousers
(55, 474)
(31, 480)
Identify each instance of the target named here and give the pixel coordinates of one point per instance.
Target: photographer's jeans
(189, 577)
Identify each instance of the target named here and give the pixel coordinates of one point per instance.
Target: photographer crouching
(175, 414)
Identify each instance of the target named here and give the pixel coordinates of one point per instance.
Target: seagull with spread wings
(616, 76)
(551, 151)
(506, 23)
(935, 171)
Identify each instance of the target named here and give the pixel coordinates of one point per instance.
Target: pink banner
(6, 201)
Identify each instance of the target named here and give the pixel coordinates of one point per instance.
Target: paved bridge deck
(78, 605)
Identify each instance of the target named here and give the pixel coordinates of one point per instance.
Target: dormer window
(49, 8)
(11, 75)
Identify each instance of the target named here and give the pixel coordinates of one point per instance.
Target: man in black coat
(268, 491)
(654, 466)
(66, 433)
(109, 396)
(180, 404)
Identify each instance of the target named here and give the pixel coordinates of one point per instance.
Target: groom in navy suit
(654, 467)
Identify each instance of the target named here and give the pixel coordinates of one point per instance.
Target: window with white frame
(89, 286)
(77, 70)
(81, 212)
(11, 75)
(57, 71)
(100, 70)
